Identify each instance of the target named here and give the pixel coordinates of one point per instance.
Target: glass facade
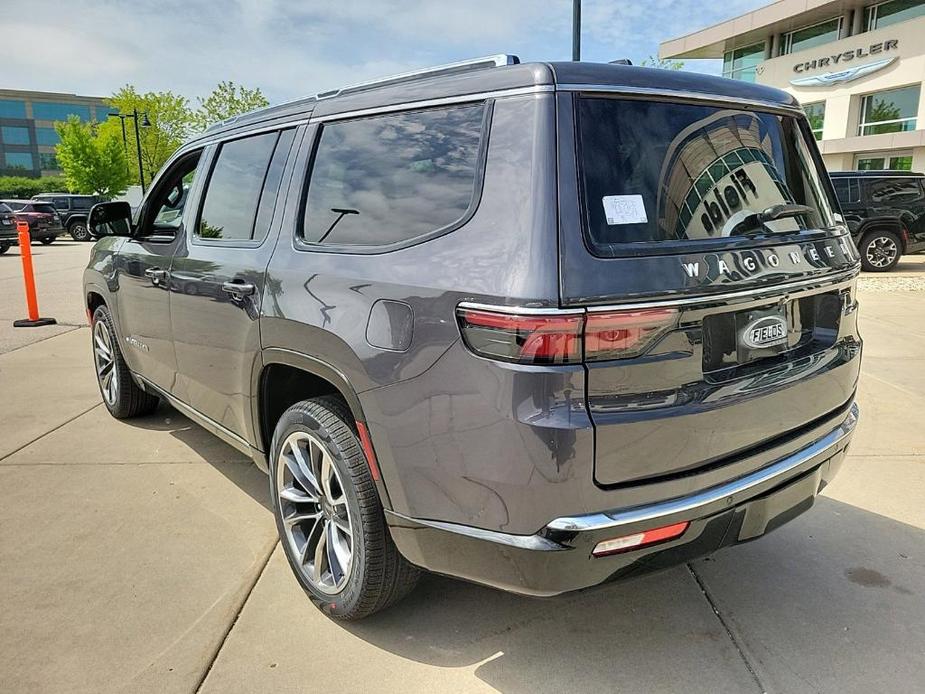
(888, 13)
(48, 161)
(49, 110)
(890, 111)
(19, 160)
(15, 135)
(816, 115)
(47, 136)
(812, 36)
(12, 109)
(740, 64)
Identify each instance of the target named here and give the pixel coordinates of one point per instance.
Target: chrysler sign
(841, 59)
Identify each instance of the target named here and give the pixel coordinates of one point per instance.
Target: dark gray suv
(537, 326)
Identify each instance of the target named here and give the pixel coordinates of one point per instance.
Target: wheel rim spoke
(103, 354)
(314, 511)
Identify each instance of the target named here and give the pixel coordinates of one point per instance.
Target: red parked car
(44, 222)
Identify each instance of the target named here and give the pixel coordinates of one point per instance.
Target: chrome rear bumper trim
(694, 504)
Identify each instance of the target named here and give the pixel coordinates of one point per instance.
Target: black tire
(880, 251)
(379, 575)
(79, 231)
(47, 240)
(127, 399)
(4, 247)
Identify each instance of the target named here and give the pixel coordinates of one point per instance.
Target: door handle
(155, 274)
(238, 288)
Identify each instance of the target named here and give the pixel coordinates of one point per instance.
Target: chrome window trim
(428, 103)
(679, 94)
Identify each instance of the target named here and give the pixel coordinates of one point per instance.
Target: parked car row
(49, 215)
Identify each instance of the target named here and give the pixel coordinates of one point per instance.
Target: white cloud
(290, 48)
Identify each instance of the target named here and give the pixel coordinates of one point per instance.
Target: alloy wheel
(881, 251)
(103, 356)
(315, 515)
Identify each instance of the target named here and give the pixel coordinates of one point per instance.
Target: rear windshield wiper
(756, 223)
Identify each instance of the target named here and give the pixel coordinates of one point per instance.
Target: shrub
(22, 187)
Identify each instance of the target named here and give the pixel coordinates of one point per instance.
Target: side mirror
(110, 219)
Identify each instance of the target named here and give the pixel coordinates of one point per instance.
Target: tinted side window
(846, 190)
(234, 188)
(391, 178)
(894, 190)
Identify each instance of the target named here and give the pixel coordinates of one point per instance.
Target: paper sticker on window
(624, 209)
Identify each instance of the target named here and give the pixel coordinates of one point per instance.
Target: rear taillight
(525, 339)
(562, 338)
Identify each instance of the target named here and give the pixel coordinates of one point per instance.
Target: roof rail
(436, 71)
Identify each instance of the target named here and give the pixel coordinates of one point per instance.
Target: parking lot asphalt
(141, 556)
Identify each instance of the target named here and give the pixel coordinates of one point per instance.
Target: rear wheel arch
(287, 378)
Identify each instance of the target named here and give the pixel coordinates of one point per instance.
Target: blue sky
(289, 48)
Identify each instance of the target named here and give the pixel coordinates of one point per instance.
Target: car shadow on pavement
(832, 599)
(237, 467)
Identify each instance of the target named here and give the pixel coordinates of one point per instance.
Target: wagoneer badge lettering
(752, 263)
(766, 331)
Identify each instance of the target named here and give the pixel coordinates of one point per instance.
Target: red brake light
(562, 338)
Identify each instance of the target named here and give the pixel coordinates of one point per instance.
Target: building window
(815, 113)
(12, 109)
(888, 13)
(13, 135)
(48, 161)
(19, 160)
(891, 111)
(47, 136)
(47, 110)
(740, 64)
(900, 161)
(812, 36)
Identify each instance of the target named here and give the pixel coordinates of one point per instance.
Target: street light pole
(576, 30)
(141, 173)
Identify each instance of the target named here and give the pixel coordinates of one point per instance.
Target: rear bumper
(558, 558)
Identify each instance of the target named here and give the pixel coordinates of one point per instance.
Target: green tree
(92, 161)
(170, 124)
(653, 61)
(226, 100)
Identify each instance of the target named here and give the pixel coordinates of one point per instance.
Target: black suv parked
(73, 210)
(885, 211)
(536, 326)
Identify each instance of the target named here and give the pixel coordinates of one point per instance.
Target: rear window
(40, 207)
(5, 208)
(388, 179)
(655, 172)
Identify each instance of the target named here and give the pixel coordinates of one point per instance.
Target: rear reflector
(366, 443)
(562, 338)
(640, 540)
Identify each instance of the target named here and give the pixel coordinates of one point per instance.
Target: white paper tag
(624, 209)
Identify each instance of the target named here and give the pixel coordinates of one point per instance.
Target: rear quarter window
(393, 178)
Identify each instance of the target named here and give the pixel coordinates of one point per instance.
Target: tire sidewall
(869, 239)
(75, 231)
(298, 419)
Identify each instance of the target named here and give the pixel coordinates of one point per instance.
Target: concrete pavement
(142, 557)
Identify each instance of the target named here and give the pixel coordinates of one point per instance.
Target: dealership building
(27, 128)
(856, 67)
